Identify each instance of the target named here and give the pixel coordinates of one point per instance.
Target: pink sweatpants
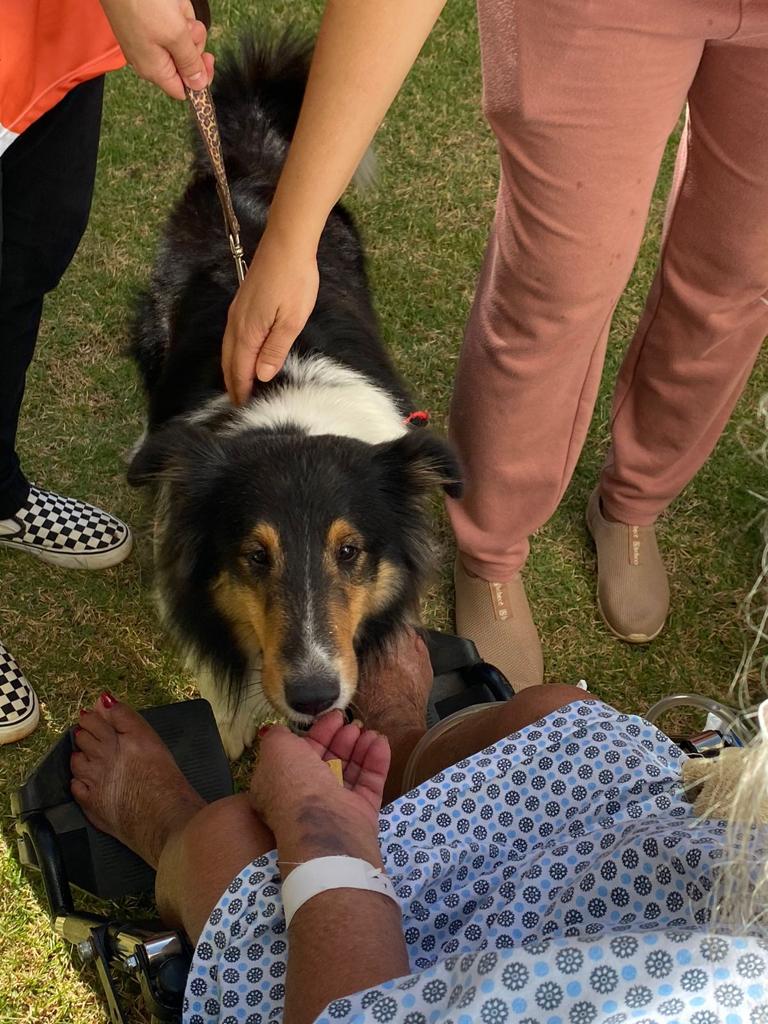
(582, 95)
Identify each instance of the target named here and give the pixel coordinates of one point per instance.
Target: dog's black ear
(162, 449)
(426, 460)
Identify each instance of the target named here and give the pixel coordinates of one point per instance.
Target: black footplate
(94, 861)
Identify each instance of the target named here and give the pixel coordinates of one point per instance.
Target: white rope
(740, 898)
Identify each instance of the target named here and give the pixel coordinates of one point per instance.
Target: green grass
(426, 224)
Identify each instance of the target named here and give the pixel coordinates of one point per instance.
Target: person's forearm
(341, 942)
(364, 50)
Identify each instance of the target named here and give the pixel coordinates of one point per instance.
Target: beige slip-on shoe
(632, 585)
(497, 619)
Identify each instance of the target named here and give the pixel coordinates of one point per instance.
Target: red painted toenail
(78, 728)
(84, 711)
(107, 700)
(264, 730)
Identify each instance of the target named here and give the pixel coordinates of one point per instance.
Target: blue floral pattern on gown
(556, 877)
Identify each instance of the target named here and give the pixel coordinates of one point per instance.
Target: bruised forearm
(341, 942)
(364, 51)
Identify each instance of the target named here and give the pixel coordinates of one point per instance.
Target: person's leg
(128, 785)
(703, 326)
(200, 860)
(392, 699)
(582, 99)
(47, 183)
(488, 726)
(47, 178)
(707, 314)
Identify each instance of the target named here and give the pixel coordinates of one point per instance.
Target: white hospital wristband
(323, 873)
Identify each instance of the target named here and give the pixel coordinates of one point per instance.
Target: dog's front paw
(237, 718)
(237, 732)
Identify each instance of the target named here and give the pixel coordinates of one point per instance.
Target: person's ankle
(180, 813)
(494, 576)
(608, 516)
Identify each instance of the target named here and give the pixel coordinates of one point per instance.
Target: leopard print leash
(205, 118)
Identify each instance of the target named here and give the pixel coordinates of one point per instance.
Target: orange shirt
(47, 47)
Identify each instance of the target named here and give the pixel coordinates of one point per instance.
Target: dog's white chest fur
(323, 397)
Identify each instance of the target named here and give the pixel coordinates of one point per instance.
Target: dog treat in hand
(337, 768)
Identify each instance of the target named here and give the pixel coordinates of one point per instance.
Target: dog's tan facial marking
(389, 581)
(301, 615)
(263, 550)
(251, 602)
(343, 546)
(358, 589)
(259, 622)
(244, 609)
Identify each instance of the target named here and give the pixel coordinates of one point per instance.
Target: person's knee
(200, 861)
(222, 821)
(490, 725)
(191, 854)
(537, 702)
(550, 287)
(722, 268)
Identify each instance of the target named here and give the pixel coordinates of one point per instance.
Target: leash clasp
(204, 112)
(236, 248)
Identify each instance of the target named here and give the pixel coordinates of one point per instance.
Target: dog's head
(292, 549)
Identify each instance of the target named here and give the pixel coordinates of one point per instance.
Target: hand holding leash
(164, 41)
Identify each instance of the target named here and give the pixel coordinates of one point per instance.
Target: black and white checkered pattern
(49, 521)
(18, 703)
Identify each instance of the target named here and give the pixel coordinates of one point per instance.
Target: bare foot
(126, 780)
(392, 699)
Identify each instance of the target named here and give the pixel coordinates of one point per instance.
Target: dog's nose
(311, 695)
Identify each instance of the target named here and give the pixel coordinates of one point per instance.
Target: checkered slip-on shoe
(19, 710)
(66, 532)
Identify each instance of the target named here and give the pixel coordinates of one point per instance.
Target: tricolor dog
(291, 534)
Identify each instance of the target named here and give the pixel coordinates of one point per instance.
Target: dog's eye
(258, 557)
(347, 553)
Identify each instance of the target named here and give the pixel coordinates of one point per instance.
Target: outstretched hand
(300, 800)
(268, 313)
(163, 41)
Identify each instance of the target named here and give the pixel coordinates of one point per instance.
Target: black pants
(46, 185)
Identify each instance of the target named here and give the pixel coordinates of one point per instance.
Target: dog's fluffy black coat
(219, 473)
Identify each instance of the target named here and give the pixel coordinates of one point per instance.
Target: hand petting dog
(268, 313)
